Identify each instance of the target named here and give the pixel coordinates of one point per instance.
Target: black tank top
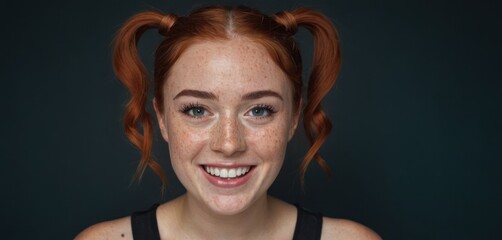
(144, 225)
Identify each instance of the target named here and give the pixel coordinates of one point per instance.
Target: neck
(200, 222)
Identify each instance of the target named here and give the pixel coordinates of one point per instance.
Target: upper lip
(227, 165)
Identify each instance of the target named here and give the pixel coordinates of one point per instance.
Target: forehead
(233, 66)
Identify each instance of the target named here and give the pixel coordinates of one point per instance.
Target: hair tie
(288, 20)
(166, 23)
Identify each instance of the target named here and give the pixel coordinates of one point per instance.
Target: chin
(229, 204)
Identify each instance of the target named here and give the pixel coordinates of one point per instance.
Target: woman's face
(228, 115)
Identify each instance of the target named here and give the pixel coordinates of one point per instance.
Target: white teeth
(231, 173)
(227, 172)
(223, 173)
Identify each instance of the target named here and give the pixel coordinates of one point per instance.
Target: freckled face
(228, 115)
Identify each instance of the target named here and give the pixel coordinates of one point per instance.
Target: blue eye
(194, 110)
(261, 111)
(258, 112)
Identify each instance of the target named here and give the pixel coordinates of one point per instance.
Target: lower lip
(227, 183)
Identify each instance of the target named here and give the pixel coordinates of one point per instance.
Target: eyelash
(270, 109)
(186, 108)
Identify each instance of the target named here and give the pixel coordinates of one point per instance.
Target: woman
(228, 97)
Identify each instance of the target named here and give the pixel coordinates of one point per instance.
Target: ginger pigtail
(132, 73)
(325, 69)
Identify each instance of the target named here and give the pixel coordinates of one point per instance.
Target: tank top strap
(144, 224)
(308, 224)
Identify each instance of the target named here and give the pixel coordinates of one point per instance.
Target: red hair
(275, 33)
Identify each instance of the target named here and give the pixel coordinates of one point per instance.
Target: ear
(296, 118)
(161, 120)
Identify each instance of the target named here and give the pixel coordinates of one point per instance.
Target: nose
(228, 136)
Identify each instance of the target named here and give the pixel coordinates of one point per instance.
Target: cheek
(184, 142)
(270, 143)
(184, 146)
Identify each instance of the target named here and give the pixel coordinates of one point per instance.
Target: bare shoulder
(345, 229)
(115, 229)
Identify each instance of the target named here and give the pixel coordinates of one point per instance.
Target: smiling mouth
(227, 173)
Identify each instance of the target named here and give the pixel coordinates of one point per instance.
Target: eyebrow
(260, 94)
(196, 93)
(212, 96)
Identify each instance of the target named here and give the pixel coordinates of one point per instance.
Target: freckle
(122, 235)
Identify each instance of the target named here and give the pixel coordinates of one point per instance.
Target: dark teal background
(415, 149)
